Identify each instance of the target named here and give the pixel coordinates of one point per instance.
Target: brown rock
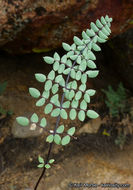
(29, 25)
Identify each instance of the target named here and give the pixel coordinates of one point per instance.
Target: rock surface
(32, 130)
(119, 56)
(82, 162)
(29, 25)
(86, 160)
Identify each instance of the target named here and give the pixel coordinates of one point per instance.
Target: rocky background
(30, 29)
(29, 25)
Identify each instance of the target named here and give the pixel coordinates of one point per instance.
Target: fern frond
(70, 73)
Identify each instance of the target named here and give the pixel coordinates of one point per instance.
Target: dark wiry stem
(58, 120)
(57, 123)
(43, 172)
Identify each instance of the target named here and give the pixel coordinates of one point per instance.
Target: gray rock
(19, 131)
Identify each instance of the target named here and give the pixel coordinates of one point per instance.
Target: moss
(130, 45)
(131, 22)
